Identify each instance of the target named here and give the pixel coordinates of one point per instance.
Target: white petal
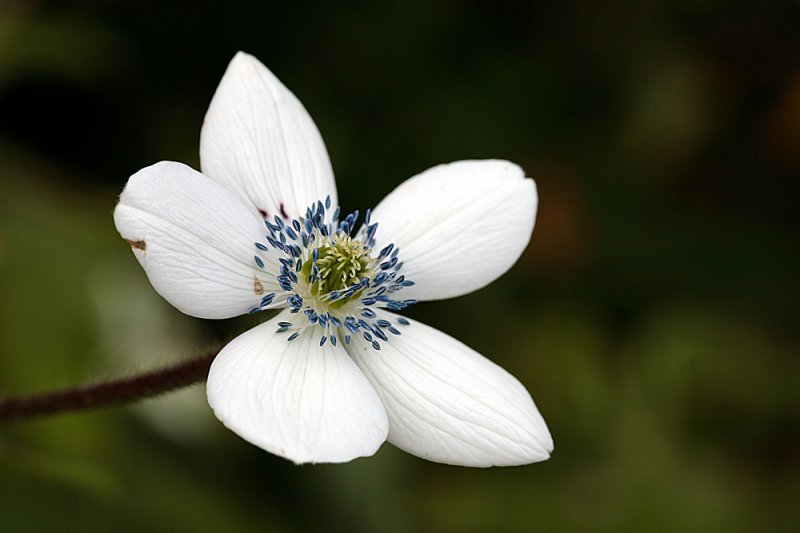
(449, 404)
(259, 140)
(194, 239)
(296, 399)
(458, 226)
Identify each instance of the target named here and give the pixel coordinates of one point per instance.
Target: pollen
(139, 245)
(258, 287)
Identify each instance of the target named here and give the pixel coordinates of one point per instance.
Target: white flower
(336, 372)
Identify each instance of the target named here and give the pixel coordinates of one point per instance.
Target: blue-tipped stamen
(333, 274)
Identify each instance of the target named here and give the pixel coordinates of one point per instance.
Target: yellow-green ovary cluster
(341, 263)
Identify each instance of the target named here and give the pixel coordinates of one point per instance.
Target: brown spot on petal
(258, 288)
(141, 245)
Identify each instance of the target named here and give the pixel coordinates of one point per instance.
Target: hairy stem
(108, 393)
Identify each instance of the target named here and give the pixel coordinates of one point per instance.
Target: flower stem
(108, 393)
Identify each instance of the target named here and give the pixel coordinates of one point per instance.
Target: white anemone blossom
(338, 370)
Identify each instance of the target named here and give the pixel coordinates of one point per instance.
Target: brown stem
(108, 393)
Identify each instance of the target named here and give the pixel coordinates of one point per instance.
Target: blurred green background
(654, 317)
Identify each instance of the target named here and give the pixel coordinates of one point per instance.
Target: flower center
(341, 263)
(331, 279)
